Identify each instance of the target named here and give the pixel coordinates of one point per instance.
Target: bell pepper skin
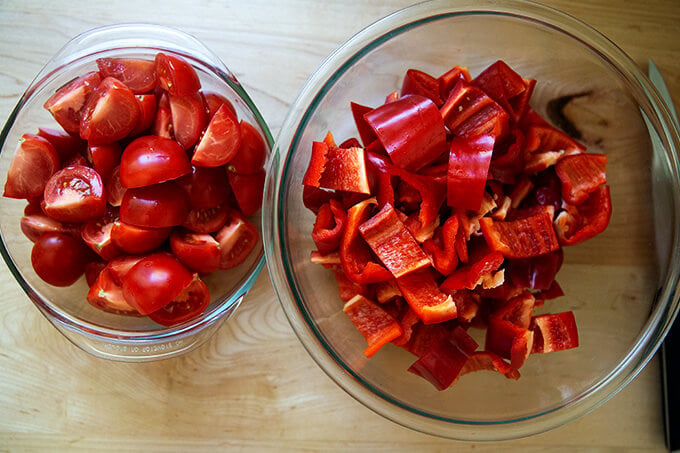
(392, 243)
(535, 273)
(485, 360)
(523, 238)
(580, 175)
(554, 332)
(506, 87)
(345, 170)
(422, 84)
(425, 298)
(469, 111)
(469, 276)
(442, 246)
(579, 223)
(469, 160)
(450, 78)
(376, 325)
(329, 226)
(426, 139)
(545, 138)
(317, 164)
(365, 131)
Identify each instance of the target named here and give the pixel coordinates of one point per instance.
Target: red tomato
(191, 302)
(207, 220)
(151, 160)
(221, 140)
(198, 252)
(139, 75)
(248, 191)
(154, 282)
(137, 240)
(33, 163)
(77, 160)
(206, 187)
(114, 188)
(67, 104)
(147, 114)
(252, 153)
(59, 259)
(92, 271)
(107, 295)
(120, 266)
(110, 114)
(176, 76)
(35, 225)
(97, 234)
(237, 239)
(162, 123)
(156, 206)
(189, 117)
(104, 158)
(75, 194)
(65, 144)
(213, 101)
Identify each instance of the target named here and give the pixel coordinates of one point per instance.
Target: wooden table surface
(234, 392)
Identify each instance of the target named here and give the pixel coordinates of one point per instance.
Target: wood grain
(253, 386)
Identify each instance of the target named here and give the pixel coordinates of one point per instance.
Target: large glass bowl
(100, 333)
(621, 285)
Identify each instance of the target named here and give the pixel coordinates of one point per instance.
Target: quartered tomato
(35, 225)
(67, 104)
(104, 158)
(65, 144)
(156, 206)
(162, 123)
(75, 194)
(176, 75)
(189, 117)
(198, 252)
(206, 187)
(154, 282)
(137, 240)
(248, 191)
(207, 220)
(139, 75)
(191, 302)
(221, 140)
(97, 235)
(34, 162)
(213, 101)
(107, 295)
(114, 188)
(147, 114)
(252, 153)
(120, 266)
(151, 160)
(237, 239)
(59, 259)
(110, 114)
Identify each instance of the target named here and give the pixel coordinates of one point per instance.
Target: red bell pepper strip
(547, 189)
(407, 320)
(426, 137)
(580, 175)
(508, 341)
(432, 193)
(392, 243)
(355, 255)
(347, 289)
(469, 160)
(467, 304)
(442, 246)
(365, 131)
(450, 78)
(423, 295)
(545, 138)
(461, 240)
(424, 337)
(329, 226)
(517, 310)
(329, 261)
(554, 332)
(535, 273)
(351, 142)
(380, 177)
(422, 84)
(469, 111)
(317, 164)
(386, 291)
(578, 223)
(376, 325)
(345, 169)
(470, 275)
(504, 85)
(521, 238)
(442, 365)
(313, 197)
(485, 360)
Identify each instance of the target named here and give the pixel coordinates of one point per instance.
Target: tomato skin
(107, 295)
(75, 194)
(67, 103)
(189, 117)
(65, 144)
(156, 206)
(151, 160)
(34, 162)
(162, 123)
(191, 302)
(206, 187)
(110, 114)
(104, 158)
(176, 75)
(154, 282)
(137, 240)
(139, 75)
(213, 101)
(252, 153)
(147, 114)
(114, 188)
(97, 234)
(35, 225)
(248, 190)
(121, 265)
(92, 271)
(198, 252)
(237, 239)
(221, 140)
(59, 259)
(207, 220)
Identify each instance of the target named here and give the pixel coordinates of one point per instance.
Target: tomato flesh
(191, 302)
(97, 235)
(107, 295)
(65, 144)
(75, 194)
(248, 191)
(189, 117)
(198, 252)
(237, 239)
(206, 220)
(176, 75)
(139, 75)
(110, 114)
(33, 163)
(67, 103)
(221, 140)
(252, 154)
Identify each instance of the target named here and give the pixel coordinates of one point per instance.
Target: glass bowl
(103, 334)
(621, 285)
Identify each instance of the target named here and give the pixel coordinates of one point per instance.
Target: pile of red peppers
(449, 212)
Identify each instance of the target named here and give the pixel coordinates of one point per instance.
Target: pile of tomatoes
(145, 188)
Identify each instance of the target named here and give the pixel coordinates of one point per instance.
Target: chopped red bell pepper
(426, 138)
(535, 273)
(544, 138)
(313, 197)
(355, 255)
(423, 295)
(485, 360)
(506, 87)
(345, 169)
(450, 78)
(469, 160)
(351, 142)
(392, 243)
(470, 275)
(317, 164)
(365, 130)
(347, 289)
(329, 261)
(547, 190)
(422, 84)
(424, 337)
(442, 246)
(508, 341)
(386, 291)
(554, 332)
(469, 111)
(517, 310)
(407, 320)
(578, 223)
(432, 192)
(329, 226)
(376, 325)
(467, 304)
(507, 160)
(580, 175)
(521, 238)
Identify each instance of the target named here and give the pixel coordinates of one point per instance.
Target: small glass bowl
(100, 333)
(622, 285)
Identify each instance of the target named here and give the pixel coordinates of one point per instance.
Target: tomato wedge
(156, 206)
(104, 158)
(189, 117)
(35, 161)
(137, 240)
(237, 239)
(139, 75)
(75, 194)
(252, 153)
(110, 114)
(206, 187)
(213, 101)
(35, 225)
(176, 75)
(198, 252)
(248, 191)
(191, 302)
(107, 295)
(207, 220)
(221, 140)
(97, 235)
(151, 160)
(59, 259)
(65, 144)
(114, 188)
(67, 103)
(147, 114)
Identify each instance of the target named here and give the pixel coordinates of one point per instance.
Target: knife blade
(670, 349)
